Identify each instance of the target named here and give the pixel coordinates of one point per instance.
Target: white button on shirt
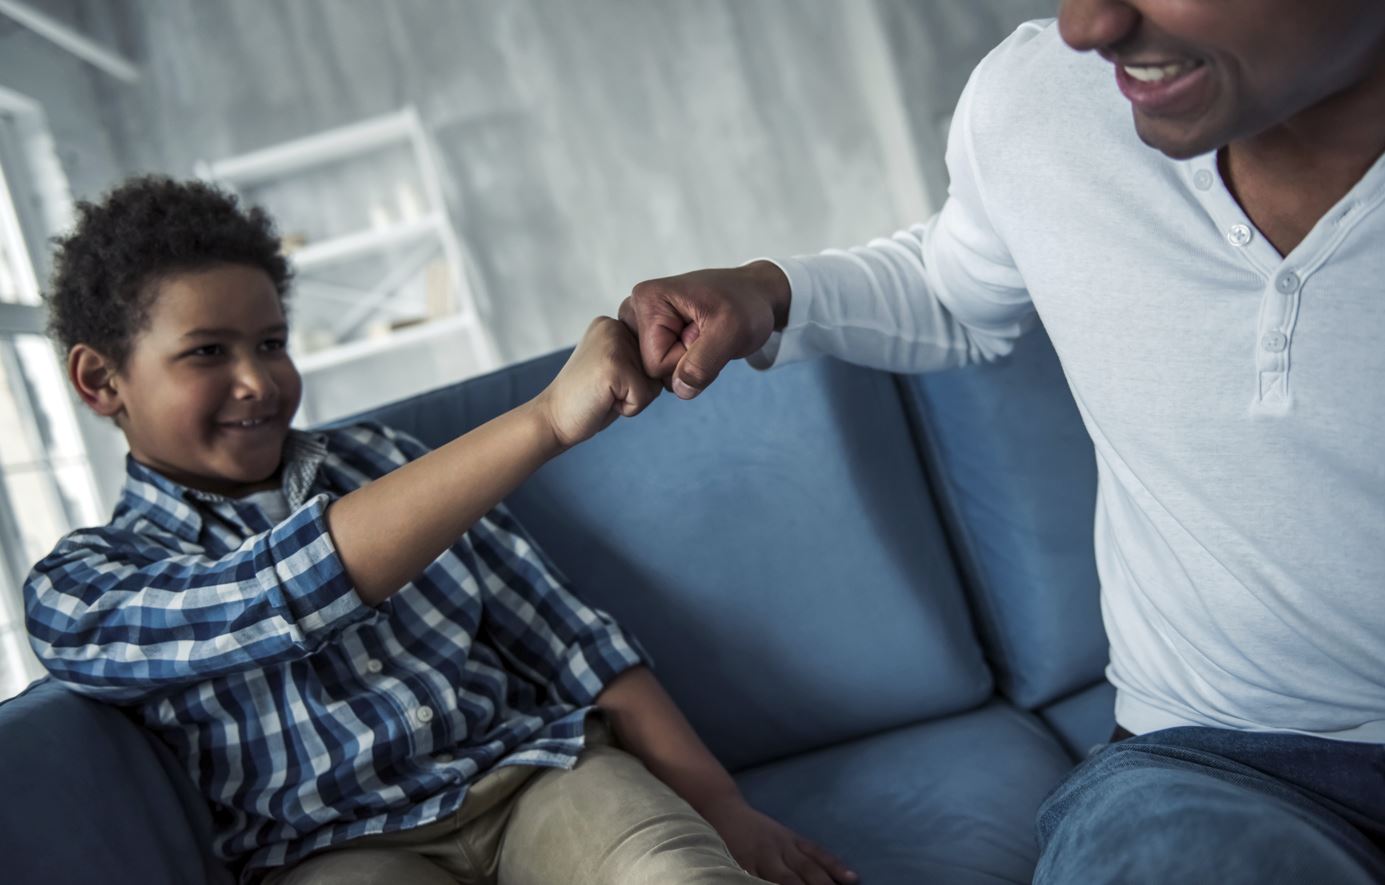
(1239, 234)
(374, 666)
(424, 714)
(1241, 493)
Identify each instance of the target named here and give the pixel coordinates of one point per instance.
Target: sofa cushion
(772, 543)
(949, 801)
(1083, 719)
(92, 797)
(1016, 477)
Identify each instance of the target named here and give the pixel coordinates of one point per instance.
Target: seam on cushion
(1070, 695)
(957, 536)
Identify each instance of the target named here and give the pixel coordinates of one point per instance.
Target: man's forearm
(649, 725)
(388, 531)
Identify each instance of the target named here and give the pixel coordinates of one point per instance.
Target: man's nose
(1096, 24)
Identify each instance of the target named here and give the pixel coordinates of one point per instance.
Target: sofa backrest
(772, 543)
(1016, 479)
(86, 789)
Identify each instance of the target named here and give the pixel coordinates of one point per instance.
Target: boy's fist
(601, 381)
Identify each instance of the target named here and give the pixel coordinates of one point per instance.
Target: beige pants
(608, 821)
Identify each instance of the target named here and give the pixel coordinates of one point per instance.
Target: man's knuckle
(645, 290)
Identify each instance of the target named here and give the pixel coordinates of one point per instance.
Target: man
(1211, 282)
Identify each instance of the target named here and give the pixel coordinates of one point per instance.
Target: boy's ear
(93, 377)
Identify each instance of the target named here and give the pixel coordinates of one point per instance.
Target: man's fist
(690, 326)
(601, 381)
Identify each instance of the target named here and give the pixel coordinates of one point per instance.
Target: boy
(356, 652)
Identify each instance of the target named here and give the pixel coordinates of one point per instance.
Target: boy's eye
(275, 344)
(206, 350)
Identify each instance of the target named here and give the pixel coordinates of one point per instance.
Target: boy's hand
(601, 381)
(770, 850)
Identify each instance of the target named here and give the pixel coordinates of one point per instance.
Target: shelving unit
(411, 244)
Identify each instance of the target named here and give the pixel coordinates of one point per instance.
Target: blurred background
(461, 184)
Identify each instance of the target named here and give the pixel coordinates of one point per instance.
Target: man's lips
(1163, 87)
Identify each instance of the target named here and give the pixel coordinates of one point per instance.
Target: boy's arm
(388, 531)
(648, 724)
(118, 617)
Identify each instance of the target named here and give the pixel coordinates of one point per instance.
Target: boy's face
(208, 391)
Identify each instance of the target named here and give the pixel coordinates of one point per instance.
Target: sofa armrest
(92, 797)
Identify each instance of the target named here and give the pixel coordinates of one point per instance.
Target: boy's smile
(208, 391)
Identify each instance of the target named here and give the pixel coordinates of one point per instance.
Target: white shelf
(396, 340)
(314, 150)
(318, 255)
(404, 129)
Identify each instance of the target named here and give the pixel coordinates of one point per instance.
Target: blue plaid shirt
(306, 716)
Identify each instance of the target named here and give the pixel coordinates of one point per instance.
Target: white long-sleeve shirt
(1236, 398)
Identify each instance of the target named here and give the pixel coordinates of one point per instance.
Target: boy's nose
(1096, 24)
(254, 381)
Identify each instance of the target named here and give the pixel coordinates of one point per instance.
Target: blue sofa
(873, 595)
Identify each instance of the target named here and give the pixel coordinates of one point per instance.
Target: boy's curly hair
(145, 229)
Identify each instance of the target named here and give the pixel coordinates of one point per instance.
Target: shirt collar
(176, 508)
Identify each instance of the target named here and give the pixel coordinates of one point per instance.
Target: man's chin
(1173, 142)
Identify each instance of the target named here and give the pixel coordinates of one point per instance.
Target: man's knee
(1130, 820)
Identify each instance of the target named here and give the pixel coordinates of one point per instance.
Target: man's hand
(690, 326)
(601, 381)
(770, 850)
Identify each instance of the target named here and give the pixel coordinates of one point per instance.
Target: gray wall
(586, 145)
(934, 44)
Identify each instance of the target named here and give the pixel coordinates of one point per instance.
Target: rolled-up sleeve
(117, 616)
(534, 620)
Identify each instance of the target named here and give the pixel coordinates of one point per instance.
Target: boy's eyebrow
(230, 333)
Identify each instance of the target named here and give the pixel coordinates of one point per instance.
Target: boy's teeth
(1155, 73)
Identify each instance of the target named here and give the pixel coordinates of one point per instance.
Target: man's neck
(1288, 176)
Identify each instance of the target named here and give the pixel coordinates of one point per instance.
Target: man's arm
(935, 295)
(648, 724)
(388, 531)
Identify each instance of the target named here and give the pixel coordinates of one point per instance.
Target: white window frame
(34, 202)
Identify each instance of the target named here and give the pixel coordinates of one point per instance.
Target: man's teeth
(254, 423)
(1156, 73)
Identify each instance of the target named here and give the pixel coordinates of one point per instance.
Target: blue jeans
(1192, 805)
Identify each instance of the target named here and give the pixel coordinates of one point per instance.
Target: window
(46, 482)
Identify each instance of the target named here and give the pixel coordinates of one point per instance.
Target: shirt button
(1202, 179)
(374, 666)
(1238, 234)
(1287, 283)
(1274, 342)
(424, 714)
(442, 758)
